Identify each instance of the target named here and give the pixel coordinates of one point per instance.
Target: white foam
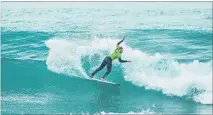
(65, 56)
(151, 71)
(24, 98)
(143, 111)
(170, 76)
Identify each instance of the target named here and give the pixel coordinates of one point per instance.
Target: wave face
(48, 51)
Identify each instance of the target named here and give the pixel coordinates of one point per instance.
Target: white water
(143, 111)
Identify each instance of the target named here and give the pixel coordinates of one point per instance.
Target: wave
(145, 16)
(191, 80)
(171, 77)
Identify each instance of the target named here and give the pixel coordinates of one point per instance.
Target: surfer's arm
(121, 41)
(122, 61)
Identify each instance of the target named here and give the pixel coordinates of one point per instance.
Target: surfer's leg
(103, 64)
(109, 67)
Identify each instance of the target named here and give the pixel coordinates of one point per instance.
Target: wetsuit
(108, 61)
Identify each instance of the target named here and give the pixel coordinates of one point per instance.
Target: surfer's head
(121, 49)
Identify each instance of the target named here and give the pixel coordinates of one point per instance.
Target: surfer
(108, 60)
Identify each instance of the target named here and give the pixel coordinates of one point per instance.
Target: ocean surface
(49, 48)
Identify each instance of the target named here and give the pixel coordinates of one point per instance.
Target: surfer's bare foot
(103, 79)
(91, 77)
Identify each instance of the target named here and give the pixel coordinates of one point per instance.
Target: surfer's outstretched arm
(123, 61)
(121, 41)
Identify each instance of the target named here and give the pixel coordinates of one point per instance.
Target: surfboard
(107, 82)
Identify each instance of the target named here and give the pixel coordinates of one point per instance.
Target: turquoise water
(48, 48)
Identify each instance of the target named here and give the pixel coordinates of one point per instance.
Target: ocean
(49, 48)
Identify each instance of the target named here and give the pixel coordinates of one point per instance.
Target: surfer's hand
(129, 61)
(124, 38)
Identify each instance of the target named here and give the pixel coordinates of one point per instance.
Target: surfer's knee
(99, 68)
(108, 71)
